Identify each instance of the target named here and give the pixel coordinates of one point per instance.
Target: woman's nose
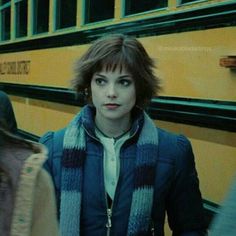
(111, 91)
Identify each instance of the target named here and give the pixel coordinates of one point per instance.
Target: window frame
(2, 9)
(57, 16)
(85, 13)
(179, 2)
(125, 15)
(34, 16)
(16, 17)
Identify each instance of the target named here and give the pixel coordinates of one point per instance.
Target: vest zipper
(109, 210)
(108, 224)
(109, 215)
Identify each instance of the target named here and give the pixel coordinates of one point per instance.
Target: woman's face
(113, 94)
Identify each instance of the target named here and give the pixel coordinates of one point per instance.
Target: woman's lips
(112, 106)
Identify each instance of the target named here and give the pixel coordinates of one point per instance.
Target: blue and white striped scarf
(74, 154)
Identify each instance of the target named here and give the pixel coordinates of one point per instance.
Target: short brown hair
(118, 50)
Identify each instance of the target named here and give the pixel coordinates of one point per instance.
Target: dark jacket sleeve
(184, 207)
(49, 165)
(54, 143)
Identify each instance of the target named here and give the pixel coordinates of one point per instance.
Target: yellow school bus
(192, 42)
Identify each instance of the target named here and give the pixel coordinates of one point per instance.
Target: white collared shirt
(111, 160)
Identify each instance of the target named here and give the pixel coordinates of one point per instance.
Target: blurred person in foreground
(27, 198)
(7, 113)
(224, 222)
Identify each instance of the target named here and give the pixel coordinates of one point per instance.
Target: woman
(114, 172)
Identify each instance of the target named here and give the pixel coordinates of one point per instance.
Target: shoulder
(53, 140)
(4, 97)
(53, 137)
(175, 147)
(178, 141)
(3, 94)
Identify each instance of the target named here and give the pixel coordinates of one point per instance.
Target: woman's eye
(100, 81)
(125, 82)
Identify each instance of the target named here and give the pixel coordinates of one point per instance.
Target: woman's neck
(113, 128)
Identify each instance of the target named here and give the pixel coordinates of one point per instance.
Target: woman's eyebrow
(120, 77)
(101, 75)
(125, 76)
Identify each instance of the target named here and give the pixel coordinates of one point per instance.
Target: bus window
(5, 19)
(66, 13)
(98, 10)
(4, 1)
(21, 18)
(187, 1)
(133, 6)
(41, 16)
